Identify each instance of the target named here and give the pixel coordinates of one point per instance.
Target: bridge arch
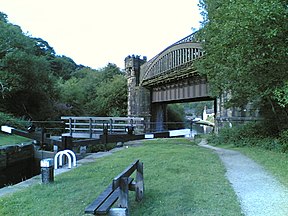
(171, 77)
(172, 57)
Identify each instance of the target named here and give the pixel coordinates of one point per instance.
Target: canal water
(17, 163)
(18, 172)
(196, 129)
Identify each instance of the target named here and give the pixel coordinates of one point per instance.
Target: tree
(97, 93)
(63, 67)
(42, 48)
(3, 17)
(175, 116)
(245, 44)
(27, 84)
(39, 85)
(111, 99)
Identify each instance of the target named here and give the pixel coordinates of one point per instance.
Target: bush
(176, 116)
(283, 140)
(6, 119)
(252, 135)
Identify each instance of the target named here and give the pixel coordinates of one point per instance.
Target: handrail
(60, 155)
(89, 126)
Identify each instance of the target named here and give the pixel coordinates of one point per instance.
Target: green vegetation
(9, 120)
(11, 139)
(37, 84)
(245, 45)
(175, 116)
(257, 143)
(275, 162)
(95, 93)
(251, 135)
(180, 179)
(196, 108)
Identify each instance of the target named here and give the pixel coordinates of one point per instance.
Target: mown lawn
(180, 179)
(11, 139)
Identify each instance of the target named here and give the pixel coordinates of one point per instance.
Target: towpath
(259, 192)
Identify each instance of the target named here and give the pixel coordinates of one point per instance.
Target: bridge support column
(159, 116)
(139, 99)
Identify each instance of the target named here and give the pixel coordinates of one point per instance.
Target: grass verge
(180, 179)
(11, 139)
(267, 152)
(274, 162)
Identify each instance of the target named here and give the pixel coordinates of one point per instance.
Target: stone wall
(138, 97)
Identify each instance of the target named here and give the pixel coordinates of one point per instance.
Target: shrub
(283, 140)
(253, 135)
(7, 119)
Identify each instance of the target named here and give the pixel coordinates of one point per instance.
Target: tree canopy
(246, 50)
(37, 84)
(96, 93)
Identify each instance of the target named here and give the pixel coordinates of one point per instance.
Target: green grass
(180, 179)
(274, 162)
(264, 153)
(11, 139)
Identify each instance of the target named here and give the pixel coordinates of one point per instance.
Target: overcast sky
(96, 32)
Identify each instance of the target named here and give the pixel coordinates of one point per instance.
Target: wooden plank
(139, 187)
(104, 199)
(94, 129)
(126, 173)
(124, 193)
(91, 209)
(101, 124)
(106, 205)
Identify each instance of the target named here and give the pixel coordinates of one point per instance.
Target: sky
(97, 32)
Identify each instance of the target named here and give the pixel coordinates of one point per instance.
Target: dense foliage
(175, 116)
(246, 48)
(6, 119)
(196, 108)
(251, 135)
(95, 93)
(37, 84)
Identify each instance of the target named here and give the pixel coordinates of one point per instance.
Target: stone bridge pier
(139, 102)
(139, 97)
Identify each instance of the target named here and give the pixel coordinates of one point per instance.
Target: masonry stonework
(139, 99)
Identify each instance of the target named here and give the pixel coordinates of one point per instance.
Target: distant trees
(176, 116)
(246, 48)
(96, 93)
(37, 84)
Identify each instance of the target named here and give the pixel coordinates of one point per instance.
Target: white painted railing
(90, 127)
(60, 155)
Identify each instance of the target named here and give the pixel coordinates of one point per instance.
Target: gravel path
(258, 192)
